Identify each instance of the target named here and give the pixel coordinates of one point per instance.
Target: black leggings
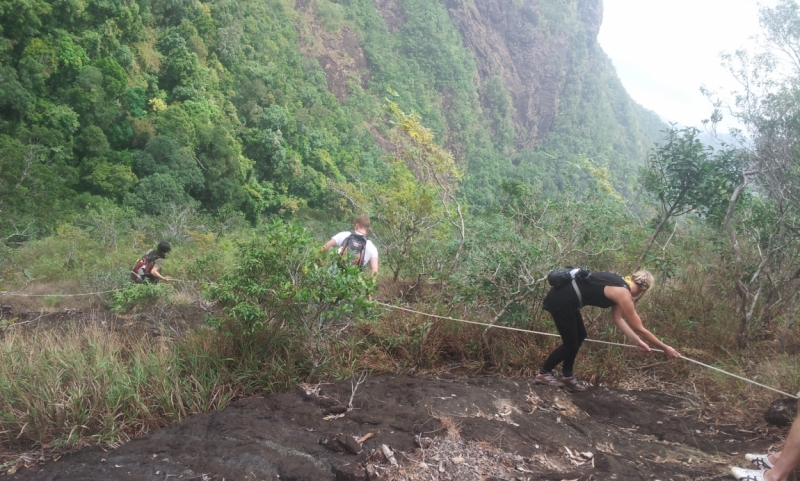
(569, 323)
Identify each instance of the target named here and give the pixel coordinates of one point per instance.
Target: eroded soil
(526, 431)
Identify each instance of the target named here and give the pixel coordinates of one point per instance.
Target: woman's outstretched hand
(670, 352)
(642, 346)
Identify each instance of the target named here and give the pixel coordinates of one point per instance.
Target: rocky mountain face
(535, 70)
(511, 40)
(283, 96)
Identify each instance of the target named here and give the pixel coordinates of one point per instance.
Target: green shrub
(137, 295)
(283, 277)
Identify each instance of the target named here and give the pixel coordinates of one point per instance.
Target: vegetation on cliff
(225, 105)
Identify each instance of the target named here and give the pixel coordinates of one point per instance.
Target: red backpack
(143, 267)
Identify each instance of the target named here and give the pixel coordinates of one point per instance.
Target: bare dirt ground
(434, 428)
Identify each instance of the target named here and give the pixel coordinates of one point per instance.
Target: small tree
(765, 231)
(510, 254)
(683, 176)
(418, 203)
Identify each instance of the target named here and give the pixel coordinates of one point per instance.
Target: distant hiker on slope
(600, 289)
(774, 467)
(354, 247)
(148, 268)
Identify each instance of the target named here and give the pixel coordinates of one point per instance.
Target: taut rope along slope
(587, 340)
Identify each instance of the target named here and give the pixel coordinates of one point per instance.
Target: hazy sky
(664, 50)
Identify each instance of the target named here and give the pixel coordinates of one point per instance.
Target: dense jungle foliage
(150, 104)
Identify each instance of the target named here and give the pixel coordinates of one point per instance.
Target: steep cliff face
(276, 98)
(512, 41)
(501, 81)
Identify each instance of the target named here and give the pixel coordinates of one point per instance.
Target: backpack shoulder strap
(578, 292)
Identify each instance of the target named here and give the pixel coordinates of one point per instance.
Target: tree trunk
(741, 289)
(639, 263)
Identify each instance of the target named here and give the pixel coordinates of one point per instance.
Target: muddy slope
(631, 435)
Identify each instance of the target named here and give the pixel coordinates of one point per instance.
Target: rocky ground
(427, 428)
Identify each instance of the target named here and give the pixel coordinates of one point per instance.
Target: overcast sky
(665, 50)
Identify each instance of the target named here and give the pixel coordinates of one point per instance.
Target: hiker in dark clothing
(148, 268)
(601, 289)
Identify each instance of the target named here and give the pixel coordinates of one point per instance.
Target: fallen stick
(365, 437)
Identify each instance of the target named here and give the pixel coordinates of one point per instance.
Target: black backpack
(352, 249)
(562, 277)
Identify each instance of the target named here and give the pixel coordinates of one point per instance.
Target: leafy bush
(283, 277)
(137, 294)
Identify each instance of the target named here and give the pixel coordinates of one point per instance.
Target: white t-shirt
(370, 250)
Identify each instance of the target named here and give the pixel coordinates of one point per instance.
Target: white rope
(508, 328)
(19, 294)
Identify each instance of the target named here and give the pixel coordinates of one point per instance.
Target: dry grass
(33, 297)
(700, 324)
(68, 387)
(91, 384)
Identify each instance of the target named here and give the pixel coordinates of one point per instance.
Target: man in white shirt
(357, 244)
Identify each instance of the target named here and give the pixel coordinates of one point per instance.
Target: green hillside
(226, 105)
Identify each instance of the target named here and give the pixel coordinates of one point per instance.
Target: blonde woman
(600, 289)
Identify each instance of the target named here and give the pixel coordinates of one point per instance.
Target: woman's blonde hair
(644, 280)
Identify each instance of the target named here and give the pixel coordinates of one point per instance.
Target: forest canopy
(222, 105)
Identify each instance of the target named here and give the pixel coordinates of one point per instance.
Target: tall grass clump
(91, 385)
(87, 385)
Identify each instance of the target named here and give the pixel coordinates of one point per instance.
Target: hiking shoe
(748, 474)
(572, 383)
(548, 379)
(761, 461)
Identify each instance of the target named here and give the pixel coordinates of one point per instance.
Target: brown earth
(392, 13)
(472, 428)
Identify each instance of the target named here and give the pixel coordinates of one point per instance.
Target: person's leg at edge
(567, 323)
(789, 456)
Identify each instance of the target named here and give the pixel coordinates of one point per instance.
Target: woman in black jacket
(601, 289)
